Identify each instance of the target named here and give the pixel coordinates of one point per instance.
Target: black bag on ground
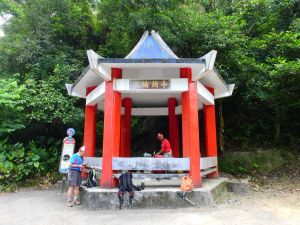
(91, 181)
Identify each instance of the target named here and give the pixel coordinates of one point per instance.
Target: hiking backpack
(91, 181)
(186, 184)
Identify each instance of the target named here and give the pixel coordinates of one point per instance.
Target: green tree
(11, 106)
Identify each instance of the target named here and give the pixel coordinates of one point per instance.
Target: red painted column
(190, 127)
(126, 128)
(210, 133)
(111, 130)
(90, 121)
(173, 127)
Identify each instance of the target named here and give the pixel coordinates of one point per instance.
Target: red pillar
(173, 127)
(90, 121)
(111, 130)
(210, 135)
(190, 127)
(126, 128)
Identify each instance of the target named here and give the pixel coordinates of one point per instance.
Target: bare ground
(268, 203)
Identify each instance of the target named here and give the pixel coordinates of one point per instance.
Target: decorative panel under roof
(151, 46)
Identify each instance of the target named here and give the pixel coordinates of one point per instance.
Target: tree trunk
(221, 127)
(277, 128)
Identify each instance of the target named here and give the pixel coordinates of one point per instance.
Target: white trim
(72, 92)
(76, 94)
(209, 65)
(98, 68)
(227, 93)
(69, 88)
(204, 95)
(163, 44)
(208, 171)
(198, 73)
(210, 59)
(177, 85)
(133, 51)
(163, 111)
(96, 95)
(214, 79)
(158, 111)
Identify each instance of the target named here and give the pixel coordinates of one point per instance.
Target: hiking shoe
(77, 203)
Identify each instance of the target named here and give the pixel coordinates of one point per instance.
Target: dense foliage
(20, 165)
(45, 43)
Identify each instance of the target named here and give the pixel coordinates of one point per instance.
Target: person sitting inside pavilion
(165, 149)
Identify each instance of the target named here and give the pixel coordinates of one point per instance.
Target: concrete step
(155, 197)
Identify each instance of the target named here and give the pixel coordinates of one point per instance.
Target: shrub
(20, 164)
(247, 162)
(234, 165)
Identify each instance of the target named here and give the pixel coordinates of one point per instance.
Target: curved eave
(99, 70)
(213, 79)
(87, 78)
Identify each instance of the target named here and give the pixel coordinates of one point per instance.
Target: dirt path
(35, 207)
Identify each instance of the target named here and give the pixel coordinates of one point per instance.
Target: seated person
(165, 146)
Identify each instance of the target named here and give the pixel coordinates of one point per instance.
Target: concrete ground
(45, 207)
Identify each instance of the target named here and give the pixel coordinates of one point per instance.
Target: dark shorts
(74, 178)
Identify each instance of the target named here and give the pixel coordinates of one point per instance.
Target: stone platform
(155, 195)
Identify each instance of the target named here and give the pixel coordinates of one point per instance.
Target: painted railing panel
(143, 163)
(93, 162)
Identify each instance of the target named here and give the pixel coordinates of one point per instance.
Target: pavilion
(151, 81)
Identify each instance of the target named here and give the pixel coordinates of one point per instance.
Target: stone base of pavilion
(157, 194)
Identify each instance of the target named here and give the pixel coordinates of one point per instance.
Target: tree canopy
(258, 43)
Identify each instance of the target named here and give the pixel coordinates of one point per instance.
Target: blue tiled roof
(151, 46)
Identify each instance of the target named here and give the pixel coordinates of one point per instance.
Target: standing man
(74, 177)
(165, 146)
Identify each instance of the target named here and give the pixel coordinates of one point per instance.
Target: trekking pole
(182, 195)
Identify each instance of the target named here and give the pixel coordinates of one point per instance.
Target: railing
(207, 164)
